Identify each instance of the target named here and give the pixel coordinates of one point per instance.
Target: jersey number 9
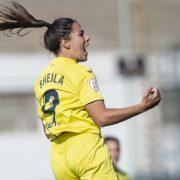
(51, 100)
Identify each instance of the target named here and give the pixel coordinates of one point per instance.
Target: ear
(65, 43)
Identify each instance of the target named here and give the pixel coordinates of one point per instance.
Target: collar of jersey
(65, 60)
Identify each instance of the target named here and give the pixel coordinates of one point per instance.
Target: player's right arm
(105, 116)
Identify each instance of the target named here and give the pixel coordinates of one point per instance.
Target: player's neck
(65, 54)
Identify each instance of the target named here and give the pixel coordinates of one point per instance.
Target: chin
(82, 59)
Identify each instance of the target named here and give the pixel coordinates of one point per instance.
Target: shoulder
(84, 69)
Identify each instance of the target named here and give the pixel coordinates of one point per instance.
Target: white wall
(26, 156)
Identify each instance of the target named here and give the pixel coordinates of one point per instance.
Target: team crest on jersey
(94, 84)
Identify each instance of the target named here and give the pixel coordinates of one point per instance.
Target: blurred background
(134, 44)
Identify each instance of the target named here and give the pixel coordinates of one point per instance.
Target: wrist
(142, 107)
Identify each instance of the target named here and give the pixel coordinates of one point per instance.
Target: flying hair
(17, 17)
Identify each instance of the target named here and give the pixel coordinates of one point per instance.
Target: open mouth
(85, 51)
(85, 46)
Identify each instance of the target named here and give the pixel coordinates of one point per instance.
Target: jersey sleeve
(89, 89)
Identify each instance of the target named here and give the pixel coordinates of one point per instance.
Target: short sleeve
(89, 89)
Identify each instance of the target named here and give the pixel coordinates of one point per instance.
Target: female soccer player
(70, 105)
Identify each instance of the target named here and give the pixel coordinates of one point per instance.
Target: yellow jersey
(121, 174)
(62, 91)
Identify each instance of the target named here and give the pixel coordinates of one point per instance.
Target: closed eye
(81, 33)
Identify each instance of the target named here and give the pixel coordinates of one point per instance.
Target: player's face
(114, 150)
(78, 43)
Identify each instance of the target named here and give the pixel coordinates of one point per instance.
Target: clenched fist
(151, 98)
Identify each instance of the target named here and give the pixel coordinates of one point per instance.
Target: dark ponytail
(17, 17)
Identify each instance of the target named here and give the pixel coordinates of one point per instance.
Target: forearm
(103, 116)
(113, 116)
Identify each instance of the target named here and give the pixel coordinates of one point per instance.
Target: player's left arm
(105, 116)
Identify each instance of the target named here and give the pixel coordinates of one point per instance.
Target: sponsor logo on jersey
(90, 70)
